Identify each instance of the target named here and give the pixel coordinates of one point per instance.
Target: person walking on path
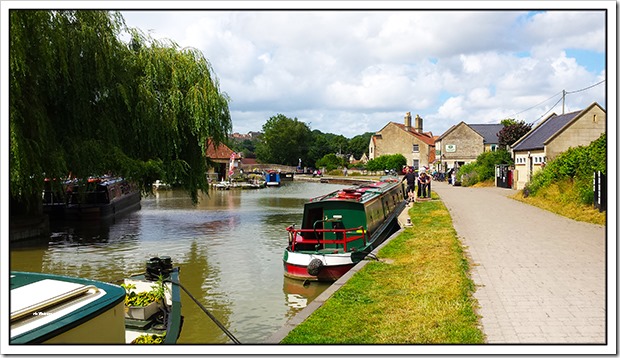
(540, 277)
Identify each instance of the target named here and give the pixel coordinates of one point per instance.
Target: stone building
(417, 146)
(554, 135)
(463, 143)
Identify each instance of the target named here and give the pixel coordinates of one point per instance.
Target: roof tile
(537, 137)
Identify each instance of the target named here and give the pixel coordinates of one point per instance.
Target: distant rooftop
(488, 131)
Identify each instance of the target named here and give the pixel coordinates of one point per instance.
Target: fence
(599, 184)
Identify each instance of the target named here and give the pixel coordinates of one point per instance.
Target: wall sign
(450, 148)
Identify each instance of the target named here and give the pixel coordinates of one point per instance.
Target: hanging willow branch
(84, 102)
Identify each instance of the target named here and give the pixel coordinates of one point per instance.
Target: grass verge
(562, 198)
(423, 296)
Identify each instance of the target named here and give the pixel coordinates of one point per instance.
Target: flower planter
(142, 313)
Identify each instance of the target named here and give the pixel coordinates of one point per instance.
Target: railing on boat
(295, 237)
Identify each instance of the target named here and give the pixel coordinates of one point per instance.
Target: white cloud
(348, 72)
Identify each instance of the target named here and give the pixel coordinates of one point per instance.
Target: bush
(483, 168)
(577, 164)
(470, 178)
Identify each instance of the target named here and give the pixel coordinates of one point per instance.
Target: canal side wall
(279, 335)
(26, 228)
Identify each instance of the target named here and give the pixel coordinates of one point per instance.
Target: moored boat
(287, 176)
(164, 321)
(96, 199)
(55, 309)
(341, 228)
(272, 178)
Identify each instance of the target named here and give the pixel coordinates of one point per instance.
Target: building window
(416, 148)
(416, 164)
(493, 147)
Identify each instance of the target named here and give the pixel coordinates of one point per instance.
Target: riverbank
(418, 292)
(346, 180)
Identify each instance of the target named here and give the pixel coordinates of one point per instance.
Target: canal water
(229, 248)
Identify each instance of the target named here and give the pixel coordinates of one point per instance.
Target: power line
(563, 93)
(536, 105)
(587, 88)
(544, 114)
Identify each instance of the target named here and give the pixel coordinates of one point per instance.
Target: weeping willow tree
(83, 102)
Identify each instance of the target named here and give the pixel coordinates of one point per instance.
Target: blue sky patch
(593, 61)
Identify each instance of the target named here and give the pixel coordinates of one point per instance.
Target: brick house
(417, 146)
(219, 159)
(463, 143)
(554, 135)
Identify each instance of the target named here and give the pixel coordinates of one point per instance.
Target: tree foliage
(322, 144)
(284, 141)
(358, 145)
(84, 102)
(513, 131)
(246, 146)
(387, 162)
(330, 162)
(319, 145)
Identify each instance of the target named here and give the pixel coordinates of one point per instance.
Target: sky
(350, 72)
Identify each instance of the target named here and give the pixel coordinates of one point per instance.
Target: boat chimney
(418, 123)
(408, 121)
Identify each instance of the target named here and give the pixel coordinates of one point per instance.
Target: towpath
(540, 277)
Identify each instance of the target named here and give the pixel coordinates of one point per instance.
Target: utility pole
(563, 100)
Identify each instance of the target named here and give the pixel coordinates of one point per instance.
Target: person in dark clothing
(424, 181)
(410, 177)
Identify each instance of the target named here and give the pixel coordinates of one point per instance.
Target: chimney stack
(408, 122)
(418, 123)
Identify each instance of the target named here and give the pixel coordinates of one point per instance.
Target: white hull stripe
(303, 259)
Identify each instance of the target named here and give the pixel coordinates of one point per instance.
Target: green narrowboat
(341, 228)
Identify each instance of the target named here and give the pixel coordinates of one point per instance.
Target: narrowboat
(272, 178)
(97, 198)
(341, 228)
(55, 309)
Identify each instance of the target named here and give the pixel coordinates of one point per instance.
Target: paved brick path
(540, 277)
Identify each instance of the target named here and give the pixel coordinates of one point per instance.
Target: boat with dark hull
(341, 228)
(287, 176)
(97, 199)
(55, 309)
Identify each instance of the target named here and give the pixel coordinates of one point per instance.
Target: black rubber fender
(314, 267)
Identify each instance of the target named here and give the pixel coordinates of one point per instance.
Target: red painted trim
(327, 273)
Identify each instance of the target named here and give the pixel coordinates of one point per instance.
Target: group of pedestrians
(420, 180)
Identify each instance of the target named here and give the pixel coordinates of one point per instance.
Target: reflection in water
(229, 248)
(299, 293)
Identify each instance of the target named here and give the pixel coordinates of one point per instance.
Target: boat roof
(44, 305)
(359, 193)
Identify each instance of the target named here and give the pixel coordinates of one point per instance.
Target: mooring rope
(218, 323)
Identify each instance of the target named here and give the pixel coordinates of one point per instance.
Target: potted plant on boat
(142, 305)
